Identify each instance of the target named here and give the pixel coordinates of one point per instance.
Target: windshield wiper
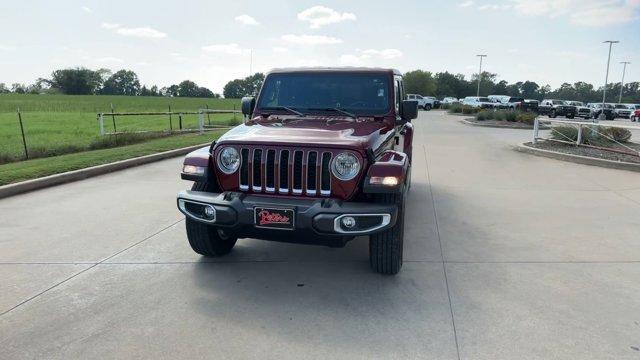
(344, 112)
(291, 110)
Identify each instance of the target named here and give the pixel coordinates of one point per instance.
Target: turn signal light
(193, 170)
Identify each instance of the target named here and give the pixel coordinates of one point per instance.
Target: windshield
(557, 102)
(516, 99)
(484, 100)
(619, 106)
(356, 93)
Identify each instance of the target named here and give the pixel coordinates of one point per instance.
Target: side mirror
(408, 110)
(248, 104)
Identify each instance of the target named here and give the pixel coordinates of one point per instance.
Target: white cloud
(246, 20)
(494, 7)
(370, 55)
(593, 13)
(109, 60)
(318, 16)
(310, 39)
(141, 32)
(229, 49)
(279, 49)
(110, 26)
(465, 4)
(5, 48)
(87, 9)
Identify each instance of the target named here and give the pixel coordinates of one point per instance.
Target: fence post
(180, 121)
(201, 122)
(24, 140)
(101, 122)
(234, 113)
(113, 118)
(208, 117)
(170, 125)
(536, 126)
(579, 140)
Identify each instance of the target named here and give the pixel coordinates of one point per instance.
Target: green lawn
(31, 169)
(67, 123)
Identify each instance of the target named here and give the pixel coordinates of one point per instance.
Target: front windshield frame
(385, 93)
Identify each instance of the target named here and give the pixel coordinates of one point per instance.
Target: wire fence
(35, 134)
(609, 139)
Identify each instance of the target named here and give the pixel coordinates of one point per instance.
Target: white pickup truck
(424, 102)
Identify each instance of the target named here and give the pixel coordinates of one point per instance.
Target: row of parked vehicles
(550, 107)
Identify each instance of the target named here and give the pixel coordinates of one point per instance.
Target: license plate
(274, 218)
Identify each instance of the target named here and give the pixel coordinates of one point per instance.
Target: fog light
(209, 212)
(384, 180)
(348, 222)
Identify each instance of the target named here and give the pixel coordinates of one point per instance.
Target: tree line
(456, 85)
(82, 81)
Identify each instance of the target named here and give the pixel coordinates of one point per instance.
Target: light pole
(606, 78)
(624, 69)
(480, 72)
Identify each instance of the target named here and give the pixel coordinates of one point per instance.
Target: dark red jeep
(324, 155)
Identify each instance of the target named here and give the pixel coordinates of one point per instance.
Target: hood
(342, 132)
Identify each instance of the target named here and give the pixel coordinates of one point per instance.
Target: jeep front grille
(285, 171)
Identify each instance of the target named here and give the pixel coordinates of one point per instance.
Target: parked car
(478, 102)
(450, 100)
(553, 108)
(313, 174)
(581, 109)
(424, 102)
(499, 101)
(621, 110)
(518, 103)
(635, 116)
(597, 109)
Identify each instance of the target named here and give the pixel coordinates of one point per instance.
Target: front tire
(427, 107)
(386, 248)
(552, 114)
(205, 239)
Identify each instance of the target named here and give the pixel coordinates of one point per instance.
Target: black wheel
(205, 239)
(569, 116)
(552, 114)
(427, 107)
(385, 248)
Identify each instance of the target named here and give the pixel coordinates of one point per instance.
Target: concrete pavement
(507, 256)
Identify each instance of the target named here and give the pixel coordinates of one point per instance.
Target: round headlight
(228, 160)
(345, 166)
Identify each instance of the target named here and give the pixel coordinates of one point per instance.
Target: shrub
(485, 115)
(526, 117)
(617, 134)
(510, 115)
(565, 133)
(469, 110)
(445, 106)
(455, 109)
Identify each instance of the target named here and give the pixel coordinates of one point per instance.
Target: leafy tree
(123, 82)
(529, 89)
(18, 88)
(3, 88)
(78, 81)
(420, 82)
(248, 86)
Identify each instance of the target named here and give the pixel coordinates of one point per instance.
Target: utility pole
(624, 69)
(480, 72)
(606, 78)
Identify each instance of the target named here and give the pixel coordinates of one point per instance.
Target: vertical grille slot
(257, 167)
(270, 181)
(312, 162)
(283, 179)
(325, 175)
(244, 169)
(297, 172)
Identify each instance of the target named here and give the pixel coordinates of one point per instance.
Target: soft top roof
(335, 69)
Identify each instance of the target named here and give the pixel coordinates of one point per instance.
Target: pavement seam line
(87, 269)
(444, 265)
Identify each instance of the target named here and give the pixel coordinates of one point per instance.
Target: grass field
(55, 124)
(31, 169)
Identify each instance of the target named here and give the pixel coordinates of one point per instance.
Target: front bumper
(314, 219)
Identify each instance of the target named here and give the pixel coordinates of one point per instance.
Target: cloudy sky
(211, 42)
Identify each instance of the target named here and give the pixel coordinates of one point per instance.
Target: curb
(579, 159)
(472, 123)
(80, 174)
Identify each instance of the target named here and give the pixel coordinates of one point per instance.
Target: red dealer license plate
(274, 218)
